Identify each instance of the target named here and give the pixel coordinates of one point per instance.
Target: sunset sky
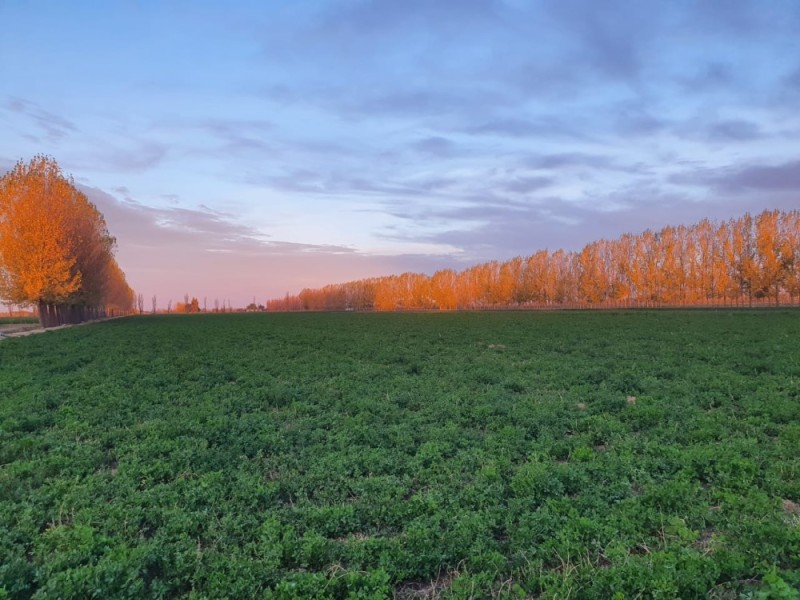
(244, 150)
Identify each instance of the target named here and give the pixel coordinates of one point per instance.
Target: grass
(17, 320)
(462, 455)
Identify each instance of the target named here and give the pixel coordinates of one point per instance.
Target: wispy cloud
(550, 127)
(734, 130)
(776, 178)
(172, 251)
(141, 157)
(524, 185)
(435, 145)
(221, 137)
(53, 126)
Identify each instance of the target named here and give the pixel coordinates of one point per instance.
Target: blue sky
(250, 149)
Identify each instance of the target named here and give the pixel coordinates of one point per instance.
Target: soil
(23, 329)
(19, 329)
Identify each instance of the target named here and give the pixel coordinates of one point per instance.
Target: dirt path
(17, 329)
(24, 329)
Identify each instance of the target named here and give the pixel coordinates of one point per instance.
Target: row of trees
(730, 262)
(55, 248)
(187, 306)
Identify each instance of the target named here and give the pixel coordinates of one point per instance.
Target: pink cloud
(174, 251)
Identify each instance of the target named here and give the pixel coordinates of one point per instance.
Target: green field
(461, 455)
(17, 320)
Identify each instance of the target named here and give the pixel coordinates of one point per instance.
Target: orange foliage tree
(739, 261)
(188, 306)
(55, 249)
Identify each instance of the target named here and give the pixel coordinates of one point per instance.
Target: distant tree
(742, 257)
(140, 302)
(119, 296)
(154, 303)
(169, 306)
(771, 249)
(737, 261)
(790, 227)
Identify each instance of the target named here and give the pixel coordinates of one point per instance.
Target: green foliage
(468, 455)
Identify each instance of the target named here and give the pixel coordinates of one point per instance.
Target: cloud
(343, 182)
(713, 76)
(171, 251)
(203, 229)
(734, 130)
(709, 128)
(146, 155)
(792, 80)
(220, 136)
(55, 128)
(436, 146)
(609, 37)
(497, 230)
(523, 185)
(456, 13)
(783, 177)
(513, 127)
(740, 18)
(493, 226)
(495, 69)
(636, 119)
(566, 160)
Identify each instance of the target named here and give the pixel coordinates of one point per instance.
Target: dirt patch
(17, 329)
(705, 543)
(791, 512)
(23, 329)
(429, 590)
(791, 508)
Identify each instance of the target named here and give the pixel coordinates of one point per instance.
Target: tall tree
(55, 249)
(770, 248)
(36, 263)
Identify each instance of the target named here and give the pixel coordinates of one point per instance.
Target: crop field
(461, 455)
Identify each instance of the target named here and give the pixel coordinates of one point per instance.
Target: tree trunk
(42, 313)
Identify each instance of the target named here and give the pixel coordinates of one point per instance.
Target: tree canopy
(730, 262)
(55, 249)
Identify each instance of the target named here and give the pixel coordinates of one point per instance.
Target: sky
(243, 150)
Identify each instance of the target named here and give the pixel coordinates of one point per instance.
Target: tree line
(187, 306)
(731, 262)
(55, 248)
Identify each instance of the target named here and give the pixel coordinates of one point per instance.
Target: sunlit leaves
(733, 262)
(55, 248)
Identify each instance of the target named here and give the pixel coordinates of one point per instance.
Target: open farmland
(581, 455)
